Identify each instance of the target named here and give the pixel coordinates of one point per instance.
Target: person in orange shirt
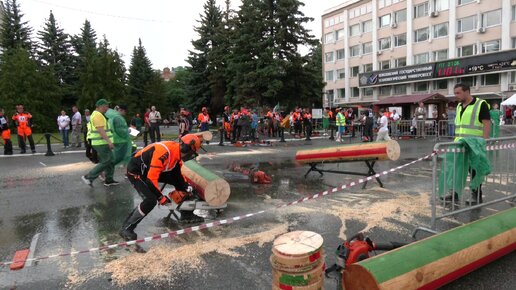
(204, 119)
(226, 119)
(23, 123)
(297, 121)
(6, 133)
(158, 162)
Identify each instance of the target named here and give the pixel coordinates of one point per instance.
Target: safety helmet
(193, 141)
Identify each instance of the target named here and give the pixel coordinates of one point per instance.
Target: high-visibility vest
(94, 135)
(468, 125)
(341, 120)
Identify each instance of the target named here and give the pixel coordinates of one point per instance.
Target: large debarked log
(389, 150)
(211, 188)
(437, 260)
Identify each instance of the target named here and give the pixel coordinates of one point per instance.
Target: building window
(385, 20)
(341, 93)
(354, 71)
(441, 30)
(421, 87)
(368, 67)
(467, 50)
(400, 39)
(367, 92)
(441, 5)
(513, 78)
(462, 2)
(367, 26)
(367, 47)
(355, 92)
(467, 24)
(329, 96)
(400, 90)
(490, 80)
(441, 85)
(513, 12)
(490, 46)
(400, 16)
(341, 53)
(385, 90)
(329, 76)
(514, 42)
(492, 18)
(421, 58)
(421, 34)
(440, 55)
(421, 10)
(471, 81)
(328, 56)
(385, 64)
(385, 3)
(328, 37)
(341, 74)
(354, 50)
(400, 62)
(354, 30)
(340, 34)
(384, 43)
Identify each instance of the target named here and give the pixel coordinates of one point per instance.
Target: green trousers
(105, 164)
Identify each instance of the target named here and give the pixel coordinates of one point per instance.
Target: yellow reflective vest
(468, 124)
(94, 135)
(340, 120)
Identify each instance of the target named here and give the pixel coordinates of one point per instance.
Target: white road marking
(43, 164)
(32, 249)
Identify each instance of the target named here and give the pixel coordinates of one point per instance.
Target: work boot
(475, 197)
(127, 230)
(449, 197)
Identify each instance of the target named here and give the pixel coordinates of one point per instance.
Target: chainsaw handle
(388, 246)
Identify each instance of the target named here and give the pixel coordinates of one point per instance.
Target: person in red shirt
(158, 162)
(23, 123)
(234, 125)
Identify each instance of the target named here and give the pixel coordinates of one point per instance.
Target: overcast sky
(165, 26)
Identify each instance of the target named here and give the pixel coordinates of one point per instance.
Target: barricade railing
(446, 129)
(406, 128)
(452, 176)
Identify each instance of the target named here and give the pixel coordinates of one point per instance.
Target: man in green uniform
(101, 140)
(121, 137)
(495, 114)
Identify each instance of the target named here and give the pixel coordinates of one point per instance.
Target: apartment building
(373, 50)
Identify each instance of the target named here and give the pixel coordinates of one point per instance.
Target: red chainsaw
(356, 249)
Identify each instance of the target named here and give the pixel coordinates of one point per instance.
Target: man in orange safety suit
(23, 123)
(158, 162)
(6, 133)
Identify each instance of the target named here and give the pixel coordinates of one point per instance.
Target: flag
(276, 108)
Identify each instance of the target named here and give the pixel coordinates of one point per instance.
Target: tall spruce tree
(14, 32)
(22, 82)
(145, 86)
(176, 89)
(54, 53)
(207, 61)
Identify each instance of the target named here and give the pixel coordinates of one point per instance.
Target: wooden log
(204, 135)
(298, 279)
(389, 150)
(437, 260)
(297, 244)
(211, 188)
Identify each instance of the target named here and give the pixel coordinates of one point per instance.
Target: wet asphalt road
(45, 196)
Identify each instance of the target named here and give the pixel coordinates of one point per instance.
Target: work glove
(164, 200)
(189, 189)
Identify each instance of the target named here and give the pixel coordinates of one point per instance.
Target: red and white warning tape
(489, 148)
(222, 222)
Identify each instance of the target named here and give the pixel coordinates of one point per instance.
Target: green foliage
(175, 89)
(14, 32)
(22, 82)
(146, 87)
(207, 84)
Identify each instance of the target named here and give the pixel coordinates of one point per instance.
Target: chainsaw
(356, 249)
(186, 208)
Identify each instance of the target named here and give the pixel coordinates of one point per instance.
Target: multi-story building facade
(375, 49)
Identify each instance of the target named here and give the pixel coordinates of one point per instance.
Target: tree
(14, 32)
(22, 82)
(55, 55)
(207, 85)
(175, 89)
(145, 86)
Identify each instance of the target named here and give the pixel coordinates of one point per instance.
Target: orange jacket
(202, 118)
(22, 119)
(155, 159)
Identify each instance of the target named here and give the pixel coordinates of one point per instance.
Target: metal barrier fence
(451, 173)
(420, 129)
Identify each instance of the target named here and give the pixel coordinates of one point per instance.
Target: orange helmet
(193, 141)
